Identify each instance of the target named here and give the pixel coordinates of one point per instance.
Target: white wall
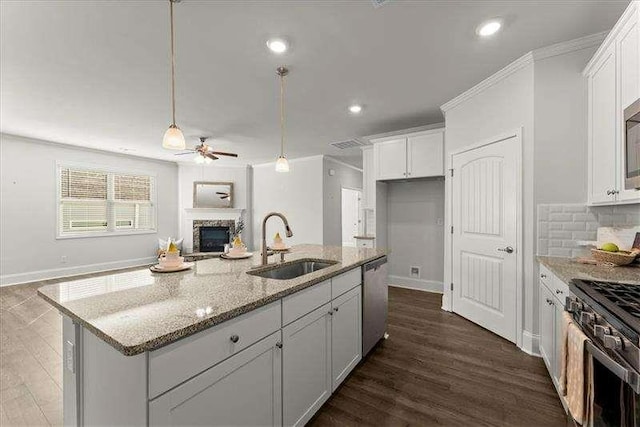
(414, 235)
(29, 248)
(347, 177)
(297, 194)
(560, 122)
(241, 176)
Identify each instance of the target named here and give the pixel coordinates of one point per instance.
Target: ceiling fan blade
(211, 156)
(182, 154)
(220, 153)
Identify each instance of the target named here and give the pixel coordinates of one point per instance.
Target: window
(99, 202)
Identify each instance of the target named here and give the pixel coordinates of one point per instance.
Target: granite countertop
(567, 268)
(138, 311)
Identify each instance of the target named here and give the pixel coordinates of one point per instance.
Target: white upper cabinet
(416, 155)
(425, 155)
(613, 76)
(390, 159)
(602, 124)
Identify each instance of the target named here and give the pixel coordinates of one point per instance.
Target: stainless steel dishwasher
(374, 303)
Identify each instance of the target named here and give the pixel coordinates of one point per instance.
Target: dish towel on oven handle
(576, 374)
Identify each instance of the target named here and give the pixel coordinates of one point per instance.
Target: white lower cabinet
(552, 294)
(245, 389)
(306, 373)
(346, 335)
(547, 315)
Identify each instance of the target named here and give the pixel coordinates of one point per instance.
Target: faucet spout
(287, 229)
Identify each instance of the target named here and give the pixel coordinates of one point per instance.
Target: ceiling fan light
(282, 164)
(199, 159)
(208, 160)
(173, 139)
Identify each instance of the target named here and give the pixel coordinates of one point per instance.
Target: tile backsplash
(561, 226)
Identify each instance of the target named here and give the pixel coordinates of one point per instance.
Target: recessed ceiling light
(355, 109)
(489, 28)
(277, 45)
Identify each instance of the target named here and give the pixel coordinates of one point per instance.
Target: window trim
(60, 235)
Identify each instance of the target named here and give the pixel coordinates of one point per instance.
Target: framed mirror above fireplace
(212, 194)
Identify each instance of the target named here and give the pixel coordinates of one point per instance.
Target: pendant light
(173, 137)
(282, 164)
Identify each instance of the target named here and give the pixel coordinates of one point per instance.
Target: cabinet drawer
(177, 362)
(297, 305)
(558, 288)
(345, 282)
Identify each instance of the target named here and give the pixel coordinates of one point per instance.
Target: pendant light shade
(282, 164)
(173, 137)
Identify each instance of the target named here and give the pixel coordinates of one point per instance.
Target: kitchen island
(215, 345)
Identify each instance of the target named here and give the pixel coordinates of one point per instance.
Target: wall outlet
(414, 271)
(63, 259)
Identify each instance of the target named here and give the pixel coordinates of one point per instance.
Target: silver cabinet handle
(609, 192)
(234, 338)
(558, 291)
(336, 308)
(544, 276)
(549, 301)
(330, 313)
(508, 249)
(279, 344)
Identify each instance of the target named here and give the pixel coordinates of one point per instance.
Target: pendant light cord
(173, 67)
(282, 115)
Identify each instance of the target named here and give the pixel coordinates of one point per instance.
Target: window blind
(95, 201)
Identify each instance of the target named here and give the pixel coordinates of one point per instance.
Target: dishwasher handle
(374, 265)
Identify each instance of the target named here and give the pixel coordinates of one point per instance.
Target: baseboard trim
(417, 284)
(54, 273)
(531, 343)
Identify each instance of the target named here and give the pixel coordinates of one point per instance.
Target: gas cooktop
(620, 299)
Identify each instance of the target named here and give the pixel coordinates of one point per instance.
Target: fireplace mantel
(204, 214)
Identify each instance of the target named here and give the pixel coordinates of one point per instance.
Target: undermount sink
(291, 270)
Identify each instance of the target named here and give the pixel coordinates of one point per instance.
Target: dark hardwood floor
(436, 368)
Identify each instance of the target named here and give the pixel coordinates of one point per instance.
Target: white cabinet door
(368, 179)
(547, 314)
(245, 389)
(558, 308)
(390, 159)
(602, 128)
(425, 155)
(628, 56)
(346, 334)
(306, 361)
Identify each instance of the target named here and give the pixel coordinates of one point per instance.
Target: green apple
(610, 247)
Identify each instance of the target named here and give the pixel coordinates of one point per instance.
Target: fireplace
(211, 235)
(213, 239)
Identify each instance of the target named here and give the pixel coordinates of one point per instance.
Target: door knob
(508, 249)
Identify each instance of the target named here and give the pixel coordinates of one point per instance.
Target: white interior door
(484, 209)
(350, 216)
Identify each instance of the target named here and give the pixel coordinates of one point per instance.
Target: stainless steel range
(609, 314)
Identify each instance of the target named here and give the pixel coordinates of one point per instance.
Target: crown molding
(417, 129)
(524, 61)
(628, 13)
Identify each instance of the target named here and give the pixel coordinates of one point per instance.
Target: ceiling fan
(206, 151)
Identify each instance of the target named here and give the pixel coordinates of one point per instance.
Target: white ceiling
(96, 73)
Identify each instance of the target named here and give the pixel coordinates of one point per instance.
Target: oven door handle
(628, 376)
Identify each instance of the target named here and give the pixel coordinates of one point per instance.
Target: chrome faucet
(289, 233)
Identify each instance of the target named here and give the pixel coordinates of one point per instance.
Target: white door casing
(485, 211)
(350, 215)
